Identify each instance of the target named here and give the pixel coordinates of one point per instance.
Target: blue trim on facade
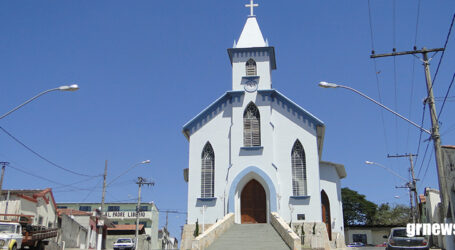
(206, 199)
(270, 50)
(276, 94)
(252, 148)
(264, 176)
(232, 94)
(300, 197)
(212, 107)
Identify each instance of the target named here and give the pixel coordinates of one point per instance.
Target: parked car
(124, 244)
(398, 239)
(356, 244)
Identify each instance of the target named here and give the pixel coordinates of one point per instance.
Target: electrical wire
(413, 77)
(377, 77)
(443, 52)
(447, 94)
(395, 84)
(426, 169)
(420, 135)
(42, 157)
(91, 191)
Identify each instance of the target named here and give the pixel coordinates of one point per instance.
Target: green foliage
(387, 215)
(196, 230)
(357, 210)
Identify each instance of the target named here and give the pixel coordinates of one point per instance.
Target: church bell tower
(252, 58)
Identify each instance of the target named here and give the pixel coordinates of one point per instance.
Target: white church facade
(254, 151)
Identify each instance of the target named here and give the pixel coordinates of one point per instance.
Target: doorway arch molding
(239, 182)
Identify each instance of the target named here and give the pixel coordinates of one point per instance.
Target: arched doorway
(326, 213)
(253, 203)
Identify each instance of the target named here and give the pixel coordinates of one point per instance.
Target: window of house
(62, 207)
(143, 208)
(143, 223)
(40, 220)
(251, 67)
(85, 208)
(251, 126)
(113, 208)
(207, 171)
(299, 177)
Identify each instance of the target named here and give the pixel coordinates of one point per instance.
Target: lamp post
(333, 85)
(100, 232)
(443, 188)
(72, 87)
(411, 185)
(386, 168)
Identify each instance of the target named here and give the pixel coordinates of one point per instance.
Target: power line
(426, 169)
(420, 136)
(445, 98)
(376, 72)
(443, 52)
(42, 157)
(413, 77)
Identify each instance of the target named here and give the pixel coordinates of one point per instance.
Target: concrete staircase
(251, 237)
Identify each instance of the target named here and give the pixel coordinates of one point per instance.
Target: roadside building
(39, 204)
(73, 223)
(368, 234)
(430, 203)
(124, 214)
(166, 241)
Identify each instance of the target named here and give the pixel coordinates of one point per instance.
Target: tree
(388, 216)
(357, 210)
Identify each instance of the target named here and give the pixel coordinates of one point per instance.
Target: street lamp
(135, 165)
(411, 185)
(72, 87)
(333, 85)
(386, 168)
(100, 237)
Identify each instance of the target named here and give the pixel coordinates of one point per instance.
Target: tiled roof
(125, 227)
(74, 212)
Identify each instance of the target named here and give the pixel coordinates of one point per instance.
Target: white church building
(253, 151)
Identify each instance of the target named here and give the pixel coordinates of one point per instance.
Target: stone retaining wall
(210, 235)
(286, 233)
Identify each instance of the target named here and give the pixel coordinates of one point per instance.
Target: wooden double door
(253, 203)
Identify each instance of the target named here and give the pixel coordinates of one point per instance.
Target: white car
(10, 235)
(124, 244)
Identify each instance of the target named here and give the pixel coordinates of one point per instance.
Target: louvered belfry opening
(251, 126)
(251, 68)
(299, 177)
(207, 172)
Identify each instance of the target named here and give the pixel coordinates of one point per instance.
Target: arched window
(251, 126)
(207, 171)
(298, 170)
(251, 68)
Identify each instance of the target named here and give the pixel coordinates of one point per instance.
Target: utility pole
(4, 164)
(171, 212)
(412, 185)
(140, 181)
(100, 246)
(443, 190)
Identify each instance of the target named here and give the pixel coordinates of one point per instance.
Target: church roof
(251, 35)
(341, 171)
(217, 106)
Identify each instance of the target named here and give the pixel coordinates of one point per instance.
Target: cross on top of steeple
(251, 6)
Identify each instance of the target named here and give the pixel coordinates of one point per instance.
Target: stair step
(251, 237)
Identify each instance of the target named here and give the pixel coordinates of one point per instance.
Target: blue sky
(145, 68)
